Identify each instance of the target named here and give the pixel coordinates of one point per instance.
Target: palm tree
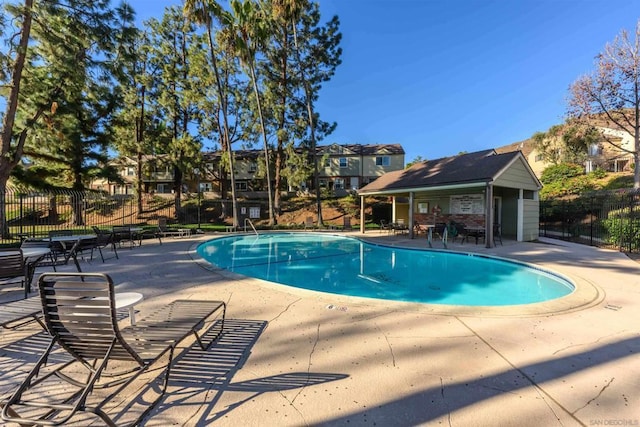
(203, 12)
(244, 33)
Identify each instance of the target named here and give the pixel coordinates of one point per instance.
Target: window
(241, 186)
(595, 150)
(254, 212)
(383, 161)
(336, 149)
(343, 162)
(130, 171)
(539, 157)
(327, 162)
(338, 184)
(253, 167)
(323, 183)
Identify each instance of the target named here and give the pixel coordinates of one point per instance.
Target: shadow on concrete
(431, 404)
(200, 378)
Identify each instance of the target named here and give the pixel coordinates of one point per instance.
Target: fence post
(21, 212)
(591, 221)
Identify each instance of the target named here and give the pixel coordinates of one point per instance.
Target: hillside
(296, 210)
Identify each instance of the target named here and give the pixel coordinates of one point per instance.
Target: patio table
(126, 300)
(32, 256)
(476, 232)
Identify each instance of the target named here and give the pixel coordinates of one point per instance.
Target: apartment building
(343, 168)
(614, 157)
(349, 167)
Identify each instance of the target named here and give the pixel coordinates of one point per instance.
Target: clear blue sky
(440, 77)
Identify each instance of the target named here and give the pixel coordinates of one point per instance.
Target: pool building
(491, 192)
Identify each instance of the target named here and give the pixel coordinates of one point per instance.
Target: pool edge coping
(585, 295)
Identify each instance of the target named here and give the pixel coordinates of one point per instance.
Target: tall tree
(245, 33)
(12, 66)
(172, 43)
(134, 120)
(566, 143)
(317, 54)
(60, 99)
(205, 12)
(609, 97)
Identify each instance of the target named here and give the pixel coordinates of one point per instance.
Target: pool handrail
(247, 220)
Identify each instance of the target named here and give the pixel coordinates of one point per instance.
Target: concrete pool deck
(294, 357)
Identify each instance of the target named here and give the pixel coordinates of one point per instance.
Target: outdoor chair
(399, 227)
(62, 253)
(164, 231)
(308, 223)
(39, 243)
(122, 233)
(104, 239)
(149, 233)
(81, 319)
(16, 313)
(12, 268)
(460, 232)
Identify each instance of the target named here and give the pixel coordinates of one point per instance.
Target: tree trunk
(8, 161)
(139, 141)
(309, 101)
(266, 146)
(225, 129)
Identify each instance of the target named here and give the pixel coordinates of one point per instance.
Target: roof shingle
(480, 166)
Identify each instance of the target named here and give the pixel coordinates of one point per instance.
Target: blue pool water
(349, 266)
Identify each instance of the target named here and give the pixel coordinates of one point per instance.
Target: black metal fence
(606, 220)
(29, 213)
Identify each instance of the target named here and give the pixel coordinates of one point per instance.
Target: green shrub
(561, 172)
(622, 231)
(598, 173)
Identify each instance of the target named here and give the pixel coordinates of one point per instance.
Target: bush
(622, 231)
(598, 173)
(561, 172)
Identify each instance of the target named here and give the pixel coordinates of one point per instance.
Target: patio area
(295, 357)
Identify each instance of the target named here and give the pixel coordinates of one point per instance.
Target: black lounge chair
(104, 239)
(164, 231)
(12, 268)
(16, 313)
(81, 318)
(61, 252)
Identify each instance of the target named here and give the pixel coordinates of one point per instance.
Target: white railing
(445, 236)
(247, 220)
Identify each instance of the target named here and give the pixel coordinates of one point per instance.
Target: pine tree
(171, 42)
(61, 100)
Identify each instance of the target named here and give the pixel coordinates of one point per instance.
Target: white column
(393, 209)
(520, 219)
(362, 214)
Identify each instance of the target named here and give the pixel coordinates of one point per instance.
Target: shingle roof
(478, 167)
(525, 146)
(365, 149)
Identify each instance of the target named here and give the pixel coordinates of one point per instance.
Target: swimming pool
(349, 266)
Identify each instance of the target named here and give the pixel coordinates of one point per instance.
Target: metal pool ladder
(247, 220)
